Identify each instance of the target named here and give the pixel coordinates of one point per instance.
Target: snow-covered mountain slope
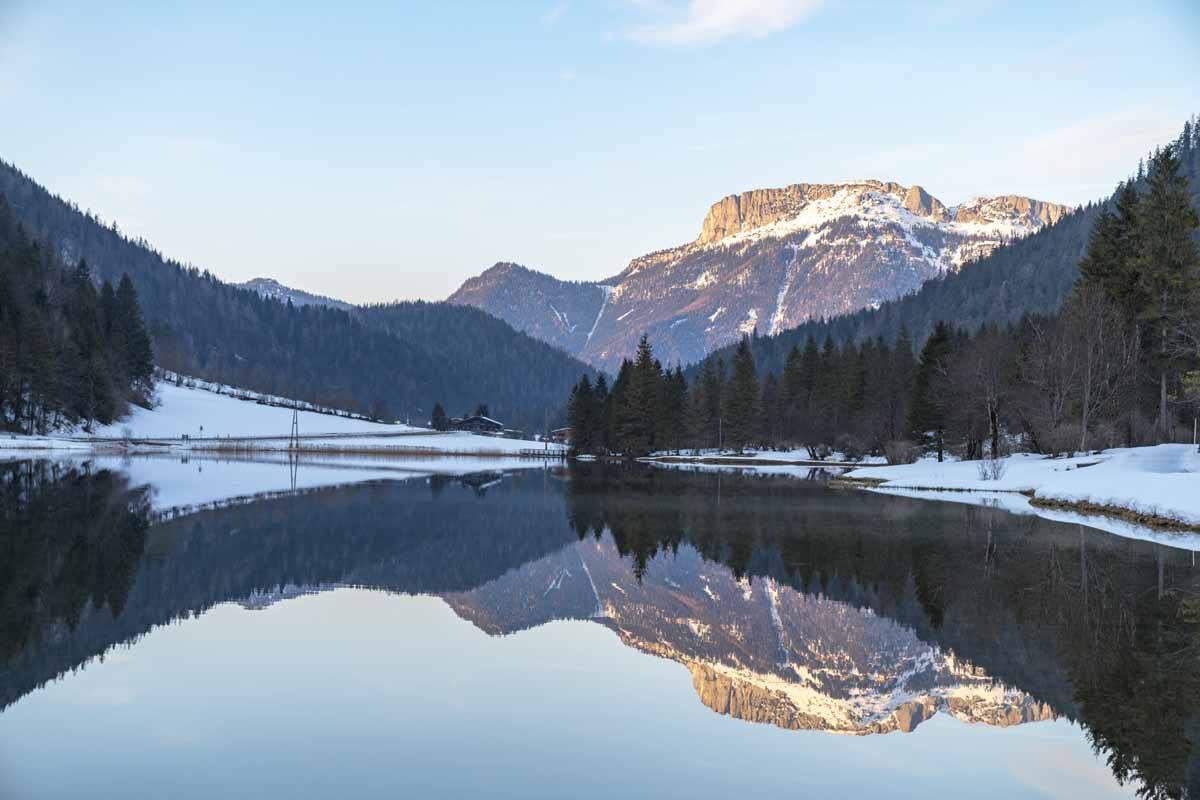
(269, 287)
(767, 259)
(563, 313)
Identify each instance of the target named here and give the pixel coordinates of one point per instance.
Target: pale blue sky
(381, 150)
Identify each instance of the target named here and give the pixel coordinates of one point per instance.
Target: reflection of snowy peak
(767, 259)
(757, 650)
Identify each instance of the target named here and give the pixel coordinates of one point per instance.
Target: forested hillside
(69, 352)
(1033, 275)
(415, 355)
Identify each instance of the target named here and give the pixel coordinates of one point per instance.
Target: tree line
(1118, 364)
(69, 352)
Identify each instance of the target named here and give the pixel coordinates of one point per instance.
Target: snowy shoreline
(206, 418)
(1157, 486)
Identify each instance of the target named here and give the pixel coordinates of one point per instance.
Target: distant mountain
(1030, 275)
(564, 313)
(269, 287)
(385, 363)
(765, 260)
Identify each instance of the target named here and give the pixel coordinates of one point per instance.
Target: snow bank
(20, 442)
(1162, 481)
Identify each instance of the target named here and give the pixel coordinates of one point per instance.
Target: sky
(376, 150)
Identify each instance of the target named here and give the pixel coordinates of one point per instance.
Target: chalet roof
(477, 418)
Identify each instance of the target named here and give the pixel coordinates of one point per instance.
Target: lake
(198, 629)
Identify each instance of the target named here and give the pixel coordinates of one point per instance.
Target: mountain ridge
(764, 259)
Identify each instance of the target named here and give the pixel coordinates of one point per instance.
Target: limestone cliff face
(1009, 206)
(760, 207)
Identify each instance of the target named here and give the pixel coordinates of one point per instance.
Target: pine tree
(927, 414)
(1168, 266)
(743, 422)
(772, 417)
(1110, 261)
(601, 432)
(580, 415)
(791, 396)
(700, 422)
(438, 418)
(673, 411)
(825, 408)
(637, 411)
(133, 341)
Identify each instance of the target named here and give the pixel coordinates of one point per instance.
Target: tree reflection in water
(1102, 630)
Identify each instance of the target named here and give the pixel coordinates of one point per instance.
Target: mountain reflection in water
(789, 603)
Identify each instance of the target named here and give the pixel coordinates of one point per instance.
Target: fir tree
(438, 418)
(581, 414)
(927, 416)
(133, 341)
(743, 421)
(1168, 266)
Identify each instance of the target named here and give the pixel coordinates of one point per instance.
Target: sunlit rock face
(756, 650)
(765, 260)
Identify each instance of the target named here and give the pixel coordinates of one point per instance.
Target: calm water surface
(596, 632)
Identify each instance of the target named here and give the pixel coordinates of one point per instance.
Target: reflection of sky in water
(365, 694)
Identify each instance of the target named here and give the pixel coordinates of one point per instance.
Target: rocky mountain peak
(766, 260)
(1009, 207)
(923, 204)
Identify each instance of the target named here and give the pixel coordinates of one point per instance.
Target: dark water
(592, 633)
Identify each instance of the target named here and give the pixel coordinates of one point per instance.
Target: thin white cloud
(555, 13)
(702, 22)
(1102, 148)
(567, 75)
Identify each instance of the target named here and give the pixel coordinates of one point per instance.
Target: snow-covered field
(183, 411)
(208, 416)
(1161, 481)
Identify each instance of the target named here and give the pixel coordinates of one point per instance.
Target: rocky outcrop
(1022, 210)
(760, 207)
(923, 204)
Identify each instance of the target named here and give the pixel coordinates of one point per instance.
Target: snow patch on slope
(608, 293)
